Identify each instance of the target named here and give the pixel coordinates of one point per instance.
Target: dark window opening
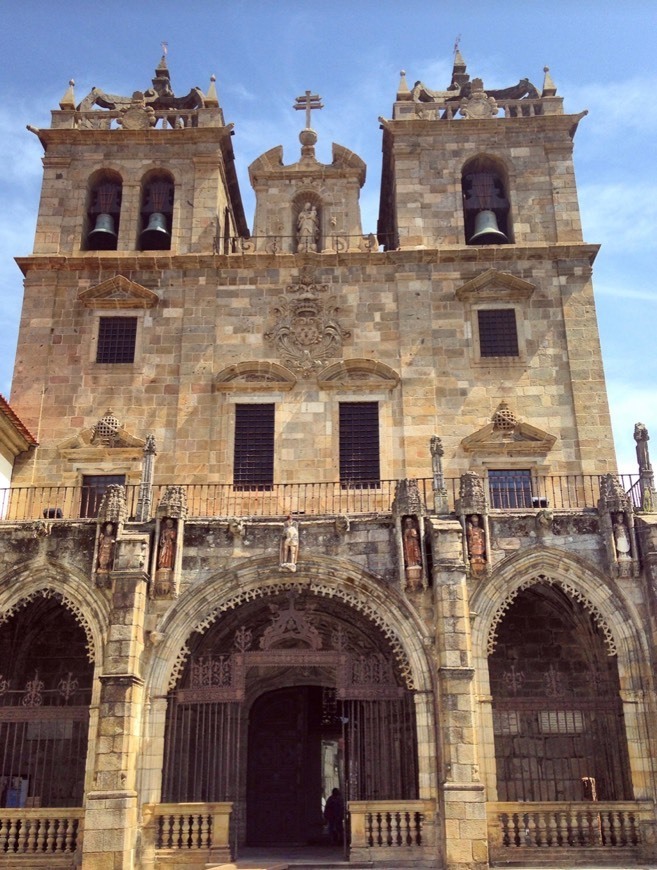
(498, 332)
(253, 466)
(94, 487)
(510, 488)
(359, 445)
(117, 337)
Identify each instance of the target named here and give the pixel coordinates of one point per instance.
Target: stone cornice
(118, 261)
(431, 127)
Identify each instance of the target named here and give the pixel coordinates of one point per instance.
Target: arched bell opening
(307, 216)
(279, 702)
(103, 214)
(557, 713)
(486, 205)
(156, 212)
(45, 692)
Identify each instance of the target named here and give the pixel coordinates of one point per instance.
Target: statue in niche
(106, 549)
(307, 228)
(167, 545)
(412, 554)
(476, 538)
(621, 538)
(289, 545)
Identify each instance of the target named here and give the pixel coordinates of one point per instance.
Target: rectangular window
(253, 465)
(117, 338)
(359, 445)
(498, 333)
(510, 488)
(93, 490)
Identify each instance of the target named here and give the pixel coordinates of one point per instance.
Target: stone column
(111, 810)
(462, 792)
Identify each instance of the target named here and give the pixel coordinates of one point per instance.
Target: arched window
(101, 230)
(485, 202)
(307, 223)
(156, 212)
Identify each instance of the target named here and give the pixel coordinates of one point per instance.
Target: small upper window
(94, 487)
(117, 339)
(498, 332)
(510, 488)
(103, 214)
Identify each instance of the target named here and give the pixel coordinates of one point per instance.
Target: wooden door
(284, 768)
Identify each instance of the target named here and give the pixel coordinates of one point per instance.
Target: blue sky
(266, 52)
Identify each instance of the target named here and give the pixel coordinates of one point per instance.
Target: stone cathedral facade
(311, 507)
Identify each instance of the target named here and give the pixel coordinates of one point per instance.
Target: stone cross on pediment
(308, 102)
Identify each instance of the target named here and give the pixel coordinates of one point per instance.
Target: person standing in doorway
(334, 815)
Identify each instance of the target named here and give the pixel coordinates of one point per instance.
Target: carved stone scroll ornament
(306, 331)
(479, 104)
(137, 116)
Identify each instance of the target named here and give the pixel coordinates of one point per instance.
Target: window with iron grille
(253, 466)
(510, 488)
(359, 444)
(498, 333)
(94, 487)
(117, 338)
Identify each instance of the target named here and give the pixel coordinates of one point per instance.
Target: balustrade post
(219, 836)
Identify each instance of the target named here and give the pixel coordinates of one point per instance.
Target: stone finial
(407, 498)
(67, 102)
(504, 420)
(113, 506)
(403, 91)
(613, 497)
(106, 431)
(472, 499)
(149, 447)
(549, 87)
(211, 98)
(646, 475)
(173, 503)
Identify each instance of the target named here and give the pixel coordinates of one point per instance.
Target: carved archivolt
(80, 618)
(571, 591)
(314, 588)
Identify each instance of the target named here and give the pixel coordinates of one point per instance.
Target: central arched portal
(280, 701)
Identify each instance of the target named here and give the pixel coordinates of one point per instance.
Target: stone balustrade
(34, 838)
(197, 831)
(518, 831)
(403, 831)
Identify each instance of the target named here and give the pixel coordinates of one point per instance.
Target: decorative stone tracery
(570, 590)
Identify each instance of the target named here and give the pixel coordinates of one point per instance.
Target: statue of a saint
(412, 553)
(621, 538)
(167, 548)
(476, 538)
(106, 549)
(289, 545)
(307, 228)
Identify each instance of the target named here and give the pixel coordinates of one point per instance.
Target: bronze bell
(103, 236)
(156, 236)
(487, 231)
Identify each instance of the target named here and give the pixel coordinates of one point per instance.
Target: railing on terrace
(223, 500)
(526, 831)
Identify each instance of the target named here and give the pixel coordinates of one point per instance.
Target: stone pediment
(254, 377)
(492, 285)
(506, 435)
(118, 292)
(106, 437)
(358, 374)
